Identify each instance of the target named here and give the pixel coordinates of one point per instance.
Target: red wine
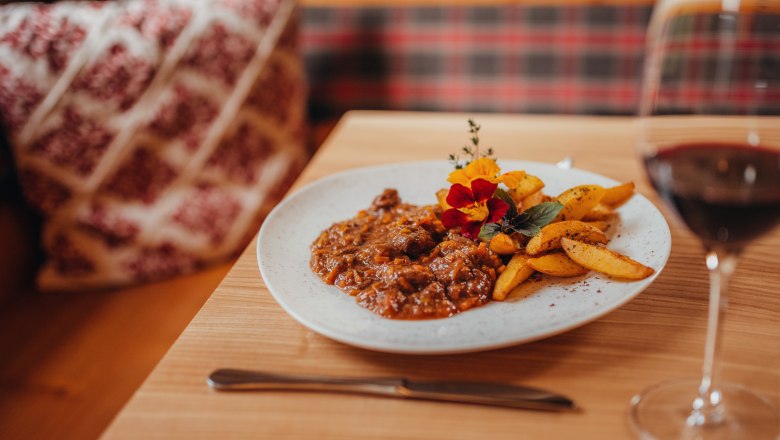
(727, 194)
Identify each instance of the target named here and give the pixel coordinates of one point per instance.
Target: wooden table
(657, 336)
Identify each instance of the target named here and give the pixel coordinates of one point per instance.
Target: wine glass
(709, 135)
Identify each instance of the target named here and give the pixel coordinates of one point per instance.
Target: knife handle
(235, 380)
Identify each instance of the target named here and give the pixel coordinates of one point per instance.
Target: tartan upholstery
(696, 77)
(571, 59)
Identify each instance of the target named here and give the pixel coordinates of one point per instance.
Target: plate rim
(390, 347)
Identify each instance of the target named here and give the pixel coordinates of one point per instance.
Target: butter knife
(482, 393)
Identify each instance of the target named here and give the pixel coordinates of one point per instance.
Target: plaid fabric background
(583, 59)
(696, 79)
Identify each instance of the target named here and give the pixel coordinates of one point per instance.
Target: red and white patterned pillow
(152, 135)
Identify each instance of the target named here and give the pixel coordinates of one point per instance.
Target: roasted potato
(578, 201)
(557, 264)
(517, 271)
(616, 195)
(601, 211)
(604, 260)
(549, 237)
(531, 200)
(529, 184)
(601, 224)
(441, 196)
(503, 244)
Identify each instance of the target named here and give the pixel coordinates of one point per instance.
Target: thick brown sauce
(400, 262)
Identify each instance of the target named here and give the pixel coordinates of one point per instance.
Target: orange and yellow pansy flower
(487, 169)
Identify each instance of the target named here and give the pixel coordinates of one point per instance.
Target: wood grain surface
(70, 361)
(467, 3)
(657, 336)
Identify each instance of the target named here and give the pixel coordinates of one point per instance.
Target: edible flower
(473, 207)
(478, 206)
(485, 168)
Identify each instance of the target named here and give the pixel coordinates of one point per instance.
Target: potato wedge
(604, 260)
(529, 184)
(503, 244)
(601, 224)
(557, 264)
(601, 211)
(517, 271)
(578, 201)
(520, 239)
(549, 237)
(531, 200)
(441, 196)
(616, 195)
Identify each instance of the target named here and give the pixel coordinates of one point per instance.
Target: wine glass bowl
(709, 136)
(725, 192)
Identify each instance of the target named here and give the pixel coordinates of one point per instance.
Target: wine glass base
(663, 412)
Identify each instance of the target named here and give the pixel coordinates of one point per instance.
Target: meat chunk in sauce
(399, 261)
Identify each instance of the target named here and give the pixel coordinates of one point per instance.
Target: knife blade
(482, 393)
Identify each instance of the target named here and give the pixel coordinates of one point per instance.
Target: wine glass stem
(708, 406)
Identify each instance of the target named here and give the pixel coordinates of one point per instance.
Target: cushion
(151, 135)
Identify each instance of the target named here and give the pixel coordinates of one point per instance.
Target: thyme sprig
(471, 151)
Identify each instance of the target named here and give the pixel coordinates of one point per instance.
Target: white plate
(548, 307)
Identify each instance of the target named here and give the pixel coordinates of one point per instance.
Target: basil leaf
(543, 213)
(531, 221)
(488, 231)
(527, 229)
(506, 198)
